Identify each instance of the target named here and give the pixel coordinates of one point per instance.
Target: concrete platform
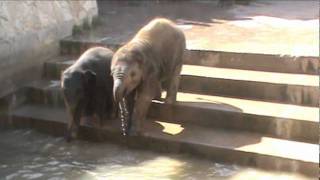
(278, 120)
(222, 145)
(274, 27)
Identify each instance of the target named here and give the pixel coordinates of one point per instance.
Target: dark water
(26, 154)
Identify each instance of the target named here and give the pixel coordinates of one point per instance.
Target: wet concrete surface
(160, 135)
(288, 27)
(38, 156)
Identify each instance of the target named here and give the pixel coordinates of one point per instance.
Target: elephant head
(127, 73)
(76, 88)
(76, 85)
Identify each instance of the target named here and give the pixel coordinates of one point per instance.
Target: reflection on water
(26, 154)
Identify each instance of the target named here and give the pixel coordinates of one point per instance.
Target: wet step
(277, 120)
(246, 61)
(296, 89)
(223, 145)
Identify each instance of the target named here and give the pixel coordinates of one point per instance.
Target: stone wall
(30, 32)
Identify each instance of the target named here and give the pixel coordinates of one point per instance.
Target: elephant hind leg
(173, 85)
(158, 92)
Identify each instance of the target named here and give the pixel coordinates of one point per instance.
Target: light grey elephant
(152, 60)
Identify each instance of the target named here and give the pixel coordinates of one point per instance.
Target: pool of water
(26, 154)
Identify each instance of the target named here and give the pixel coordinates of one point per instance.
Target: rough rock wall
(30, 32)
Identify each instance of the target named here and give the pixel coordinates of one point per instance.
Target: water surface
(26, 154)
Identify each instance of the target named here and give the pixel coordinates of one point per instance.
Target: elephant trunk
(118, 90)
(124, 116)
(120, 99)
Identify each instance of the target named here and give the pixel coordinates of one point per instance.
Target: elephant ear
(89, 78)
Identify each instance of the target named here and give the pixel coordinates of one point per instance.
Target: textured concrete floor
(272, 27)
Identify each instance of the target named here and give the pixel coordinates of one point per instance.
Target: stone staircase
(249, 109)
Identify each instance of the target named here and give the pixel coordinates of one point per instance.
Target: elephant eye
(132, 74)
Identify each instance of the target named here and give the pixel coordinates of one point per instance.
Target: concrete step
(265, 86)
(232, 60)
(229, 146)
(296, 89)
(277, 120)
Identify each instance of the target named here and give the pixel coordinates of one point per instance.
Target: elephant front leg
(73, 124)
(141, 106)
(172, 90)
(91, 120)
(73, 129)
(140, 111)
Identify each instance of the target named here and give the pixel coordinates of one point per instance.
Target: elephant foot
(158, 98)
(100, 119)
(74, 134)
(67, 137)
(170, 101)
(70, 135)
(102, 123)
(92, 121)
(134, 131)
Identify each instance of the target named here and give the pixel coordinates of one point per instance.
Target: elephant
(87, 87)
(149, 63)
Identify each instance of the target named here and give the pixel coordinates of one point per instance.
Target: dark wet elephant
(87, 89)
(150, 62)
